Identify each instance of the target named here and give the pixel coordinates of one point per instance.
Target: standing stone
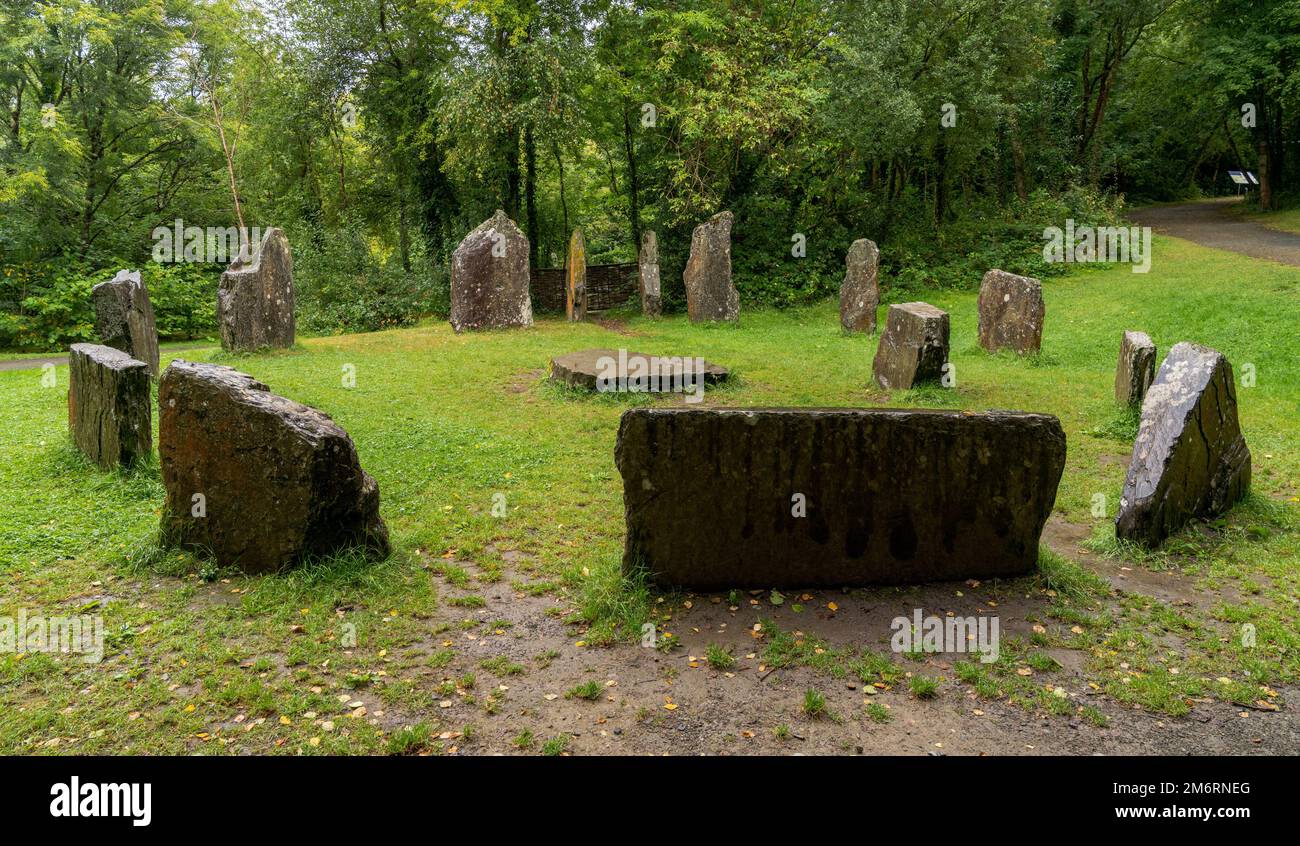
(124, 317)
(794, 497)
(1011, 312)
(489, 277)
(648, 264)
(1190, 459)
(255, 298)
(860, 291)
(257, 480)
(575, 290)
(914, 346)
(1136, 368)
(709, 292)
(109, 411)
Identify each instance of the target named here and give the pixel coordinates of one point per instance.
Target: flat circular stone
(622, 370)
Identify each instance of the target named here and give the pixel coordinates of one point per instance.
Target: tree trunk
(530, 194)
(633, 184)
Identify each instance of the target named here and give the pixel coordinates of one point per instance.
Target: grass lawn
(1287, 220)
(518, 635)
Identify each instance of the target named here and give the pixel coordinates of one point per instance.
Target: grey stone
(591, 368)
(1190, 459)
(789, 498)
(489, 277)
(575, 273)
(913, 347)
(1011, 312)
(1136, 368)
(255, 299)
(258, 481)
(648, 266)
(124, 317)
(709, 292)
(109, 408)
(860, 290)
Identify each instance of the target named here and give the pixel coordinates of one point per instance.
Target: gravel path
(1207, 223)
(61, 360)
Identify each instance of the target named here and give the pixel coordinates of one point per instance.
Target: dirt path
(61, 360)
(1208, 223)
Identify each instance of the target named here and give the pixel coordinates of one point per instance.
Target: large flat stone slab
(1190, 459)
(599, 369)
(124, 317)
(258, 481)
(713, 497)
(255, 299)
(913, 348)
(109, 405)
(489, 277)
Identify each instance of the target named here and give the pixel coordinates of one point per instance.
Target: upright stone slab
(1136, 368)
(709, 292)
(575, 272)
(1011, 312)
(255, 298)
(489, 277)
(256, 480)
(124, 317)
(860, 290)
(109, 408)
(720, 498)
(1190, 459)
(648, 266)
(913, 348)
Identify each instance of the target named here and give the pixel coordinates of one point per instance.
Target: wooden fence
(608, 286)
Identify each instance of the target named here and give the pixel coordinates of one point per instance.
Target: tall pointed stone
(1136, 368)
(860, 290)
(1190, 459)
(648, 267)
(489, 277)
(575, 275)
(709, 292)
(255, 299)
(124, 317)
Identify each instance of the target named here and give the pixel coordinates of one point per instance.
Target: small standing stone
(914, 346)
(255, 298)
(1190, 458)
(109, 410)
(575, 300)
(860, 291)
(489, 277)
(1011, 312)
(709, 292)
(651, 304)
(124, 317)
(1136, 368)
(259, 481)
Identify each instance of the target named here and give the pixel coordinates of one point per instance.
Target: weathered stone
(1136, 368)
(718, 498)
(255, 298)
(489, 277)
(913, 347)
(648, 265)
(1011, 312)
(575, 272)
(124, 317)
(109, 409)
(258, 481)
(608, 369)
(1190, 459)
(709, 292)
(860, 291)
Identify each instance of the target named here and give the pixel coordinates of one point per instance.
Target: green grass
(444, 422)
